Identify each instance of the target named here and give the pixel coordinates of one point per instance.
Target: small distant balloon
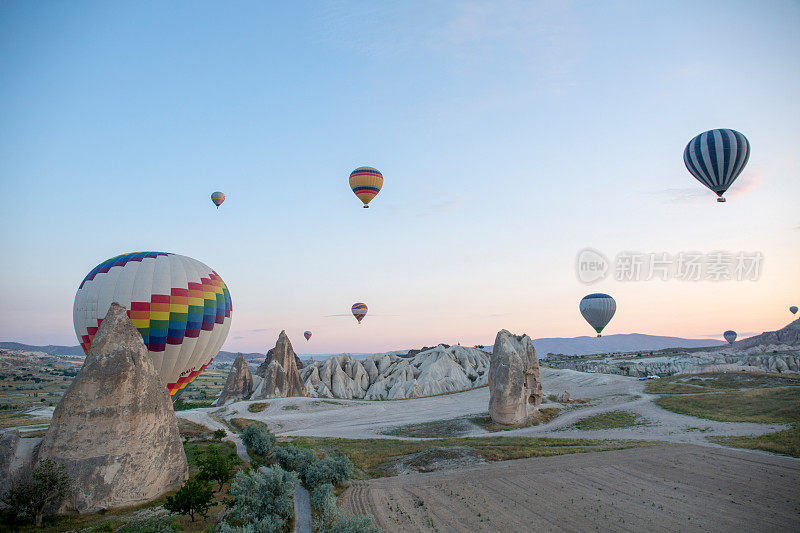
(217, 197)
(307, 334)
(598, 309)
(359, 311)
(793, 309)
(366, 183)
(730, 336)
(716, 158)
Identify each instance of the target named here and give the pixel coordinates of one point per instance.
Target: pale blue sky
(511, 135)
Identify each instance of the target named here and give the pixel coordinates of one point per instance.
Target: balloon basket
(366, 207)
(721, 200)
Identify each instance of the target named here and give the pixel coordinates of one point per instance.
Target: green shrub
(259, 438)
(354, 524)
(262, 501)
(333, 470)
(295, 458)
(219, 434)
(41, 492)
(195, 496)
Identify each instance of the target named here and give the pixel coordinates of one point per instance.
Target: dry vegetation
(373, 457)
(739, 397)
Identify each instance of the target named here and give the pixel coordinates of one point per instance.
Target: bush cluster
(262, 501)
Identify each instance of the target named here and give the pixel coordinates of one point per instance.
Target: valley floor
(375, 419)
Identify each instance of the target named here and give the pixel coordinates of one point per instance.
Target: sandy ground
(369, 419)
(661, 488)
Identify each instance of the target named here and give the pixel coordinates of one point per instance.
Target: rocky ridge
(388, 376)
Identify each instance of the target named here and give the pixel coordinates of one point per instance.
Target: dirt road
(660, 488)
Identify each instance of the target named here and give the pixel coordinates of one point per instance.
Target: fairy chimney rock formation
(114, 430)
(515, 390)
(239, 385)
(280, 377)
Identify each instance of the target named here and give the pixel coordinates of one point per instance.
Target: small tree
(195, 496)
(259, 438)
(219, 434)
(214, 466)
(333, 470)
(261, 501)
(42, 492)
(295, 458)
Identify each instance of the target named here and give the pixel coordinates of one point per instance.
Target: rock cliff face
(114, 429)
(239, 385)
(279, 374)
(383, 376)
(515, 391)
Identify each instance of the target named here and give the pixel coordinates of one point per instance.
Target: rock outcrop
(279, 374)
(388, 376)
(787, 336)
(515, 391)
(114, 430)
(239, 385)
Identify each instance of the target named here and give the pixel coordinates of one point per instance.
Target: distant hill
(50, 349)
(789, 335)
(568, 346)
(631, 342)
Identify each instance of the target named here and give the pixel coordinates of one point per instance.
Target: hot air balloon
(359, 311)
(716, 158)
(598, 309)
(366, 182)
(793, 309)
(217, 197)
(307, 334)
(180, 306)
(730, 336)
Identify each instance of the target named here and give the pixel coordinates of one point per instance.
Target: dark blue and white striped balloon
(598, 309)
(716, 158)
(730, 336)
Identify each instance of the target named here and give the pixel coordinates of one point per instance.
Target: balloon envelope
(180, 306)
(793, 309)
(307, 334)
(217, 197)
(366, 182)
(598, 310)
(730, 336)
(716, 158)
(359, 311)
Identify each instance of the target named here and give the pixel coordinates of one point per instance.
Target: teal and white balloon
(598, 309)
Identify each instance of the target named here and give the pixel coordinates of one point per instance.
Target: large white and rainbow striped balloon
(180, 306)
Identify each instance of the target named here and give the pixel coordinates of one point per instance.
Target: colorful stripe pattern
(366, 182)
(359, 311)
(307, 334)
(181, 308)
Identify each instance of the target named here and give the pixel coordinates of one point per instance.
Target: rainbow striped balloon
(359, 311)
(366, 182)
(180, 306)
(307, 334)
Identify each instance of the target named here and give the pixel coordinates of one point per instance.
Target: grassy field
(257, 407)
(543, 416)
(611, 420)
(741, 397)
(719, 381)
(372, 457)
